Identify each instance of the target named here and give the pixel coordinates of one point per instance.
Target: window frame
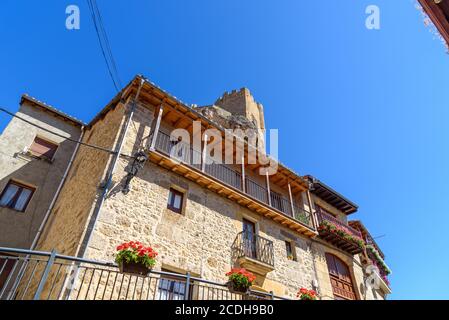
(41, 156)
(170, 204)
(290, 244)
(16, 196)
(172, 280)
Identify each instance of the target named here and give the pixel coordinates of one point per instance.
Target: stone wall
(72, 210)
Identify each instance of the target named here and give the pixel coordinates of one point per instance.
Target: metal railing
(193, 158)
(37, 275)
(323, 216)
(248, 244)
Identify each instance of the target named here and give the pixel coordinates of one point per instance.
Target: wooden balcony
(192, 164)
(336, 239)
(253, 253)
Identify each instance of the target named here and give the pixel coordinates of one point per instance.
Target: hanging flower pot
(305, 294)
(239, 280)
(134, 258)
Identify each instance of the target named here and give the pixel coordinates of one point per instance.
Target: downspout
(47, 213)
(58, 191)
(107, 187)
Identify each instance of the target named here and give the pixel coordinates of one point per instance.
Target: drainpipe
(58, 191)
(48, 212)
(110, 174)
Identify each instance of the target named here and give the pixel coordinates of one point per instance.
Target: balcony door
(249, 238)
(340, 277)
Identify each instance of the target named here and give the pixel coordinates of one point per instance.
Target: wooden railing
(251, 245)
(324, 216)
(186, 154)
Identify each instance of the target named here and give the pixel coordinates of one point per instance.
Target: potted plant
(134, 258)
(240, 280)
(305, 294)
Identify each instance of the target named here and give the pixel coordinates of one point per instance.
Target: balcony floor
(340, 242)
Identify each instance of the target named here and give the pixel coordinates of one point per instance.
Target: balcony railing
(36, 275)
(352, 245)
(250, 245)
(189, 156)
(323, 216)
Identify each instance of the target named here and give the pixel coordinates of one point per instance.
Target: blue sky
(363, 110)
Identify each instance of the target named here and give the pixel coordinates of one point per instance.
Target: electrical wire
(104, 44)
(64, 137)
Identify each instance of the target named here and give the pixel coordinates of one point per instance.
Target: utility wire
(64, 137)
(104, 44)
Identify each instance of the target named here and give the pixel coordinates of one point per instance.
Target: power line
(64, 137)
(104, 44)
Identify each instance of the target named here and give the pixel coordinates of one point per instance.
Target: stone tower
(242, 103)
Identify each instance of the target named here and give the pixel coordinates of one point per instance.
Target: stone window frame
(292, 245)
(183, 194)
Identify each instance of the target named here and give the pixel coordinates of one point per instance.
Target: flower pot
(234, 289)
(134, 268)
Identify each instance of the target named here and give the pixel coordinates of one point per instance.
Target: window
(7, 263)
(172, 287)
(43, 148)
(340, 277)
(289, 250)
(16, 196)
(175, 199)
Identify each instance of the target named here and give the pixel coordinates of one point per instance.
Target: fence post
(187, 287)
(45, 274)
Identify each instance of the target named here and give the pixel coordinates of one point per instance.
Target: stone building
(201, 216)
(33, 162)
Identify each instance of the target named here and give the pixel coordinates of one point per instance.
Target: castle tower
(242, 103)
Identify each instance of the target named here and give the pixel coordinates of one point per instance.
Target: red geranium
(305, 294)
(241, 277)
(134, 251)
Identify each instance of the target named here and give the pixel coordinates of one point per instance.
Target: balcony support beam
(156, 127)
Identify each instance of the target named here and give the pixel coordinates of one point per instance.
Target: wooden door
(340, 277)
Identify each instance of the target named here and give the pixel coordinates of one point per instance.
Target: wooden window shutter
(43, 148)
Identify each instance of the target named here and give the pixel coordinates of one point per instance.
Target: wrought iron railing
(37, 275)
(191, 157)
(250, 245)
(324, 216)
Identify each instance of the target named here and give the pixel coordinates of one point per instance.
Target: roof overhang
(438, 12)
(48, 108)
(331, 196)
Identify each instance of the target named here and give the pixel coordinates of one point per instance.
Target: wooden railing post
(156, 128)
(291, 199)
(203, 155)
(243, 173)
(312, 211)
(268, 188)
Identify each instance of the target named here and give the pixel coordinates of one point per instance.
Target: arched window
(340, 277)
